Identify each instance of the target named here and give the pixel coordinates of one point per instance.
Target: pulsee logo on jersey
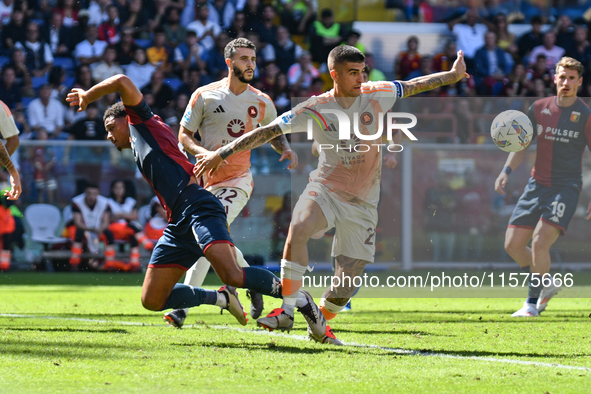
(355, 142)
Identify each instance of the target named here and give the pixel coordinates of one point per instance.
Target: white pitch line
(407, 352)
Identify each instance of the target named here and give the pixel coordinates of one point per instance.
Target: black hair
(344, 53)
(115, 111)
(233, 45)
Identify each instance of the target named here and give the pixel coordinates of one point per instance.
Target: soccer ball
(511, 131)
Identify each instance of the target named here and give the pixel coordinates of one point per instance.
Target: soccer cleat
(528, 310)
(234, 305)
(256, 303)
(175, 318)
(312, 314)
(276, 320)
(546, 294)
(328, 337)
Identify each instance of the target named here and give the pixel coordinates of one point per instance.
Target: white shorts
(355, 225)
(232, 198)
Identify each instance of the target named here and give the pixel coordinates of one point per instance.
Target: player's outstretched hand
(210, 161)
(588, 217)
(390, 161)
(77, 97)
(501, 182)
(292, 156)
(459, 66)
(15, 188)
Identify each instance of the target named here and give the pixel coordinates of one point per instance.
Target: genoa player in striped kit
(196, 218)
(562, 125)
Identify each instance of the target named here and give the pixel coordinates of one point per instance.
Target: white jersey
(127, 206)
(220, 116)
(92, 217)
(353, 176)
(7, 126)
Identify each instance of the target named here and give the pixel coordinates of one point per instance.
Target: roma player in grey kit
(562, 125)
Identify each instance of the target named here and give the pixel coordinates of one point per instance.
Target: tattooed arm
(15, 181)
(281, 146)
(257, 137)
(432, 81)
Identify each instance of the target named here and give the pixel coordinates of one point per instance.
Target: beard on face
(240, 75)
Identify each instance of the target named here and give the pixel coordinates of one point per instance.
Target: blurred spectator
(317, 87)
(59, 35)
(215, 60)
(159, 54)
(43, 163)
(373, 73)
(175, 32)
(252, 13)
(443, 61)
(90, 128)
(69, 9)
(47, 113)
(439, 206)
(237, 28)
(158, 10)
(491, 65)
(90, 50)
(532, 39)
(281, 220)
(553, 53)
(264, 53)
(191, 83)
(79, 29)
(23, 79)
(505, 39)
(37, 53)
(188, 54)
(138, 19)
(269, 78)
(424, 68)
(580, 48)
(162, 93)
(205, 29)
(6, 8)
(83, 78)
(99, 12)
(20, 121)
(281, 94)
(110, 31)
(325, 35)
(353, 40)
(15, 31)
(265, 28)
(301, 74)
(297, 15)
(124, 225)
(286, 51)
(90, 222)
(541, 71)
(158, 221)
(139, 70)
(565, 32)
(107, 68)
(538, 89)
(126, 47)
(409, 60)
(56, 79)
(222, 12)
(10, 92)
(469, 36)
(518, 82)
(472, 218)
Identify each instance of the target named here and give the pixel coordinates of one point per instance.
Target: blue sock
(184, 296)
(262, 281)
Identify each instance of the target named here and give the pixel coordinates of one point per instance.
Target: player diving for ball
(562, 126)
(344, 190)
(221, 112)
(197, 224)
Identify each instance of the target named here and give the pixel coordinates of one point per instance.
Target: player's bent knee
(152, 303)
(232, 277)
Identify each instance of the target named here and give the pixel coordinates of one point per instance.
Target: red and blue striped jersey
(157, 154)
(562, 134)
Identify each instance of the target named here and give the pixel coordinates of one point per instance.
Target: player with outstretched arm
(562, 125)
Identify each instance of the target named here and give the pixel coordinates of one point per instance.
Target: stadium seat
(43, 221)
(27, 101)
(174, 83)
(144, 43)
(4, 60)
(69, 82)
(38, 81)
(65, 62)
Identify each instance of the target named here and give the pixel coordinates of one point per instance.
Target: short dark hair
(115, 111)
(92, 185)
(344, 53)
(233, 45)
(326, 13)
(537, 20)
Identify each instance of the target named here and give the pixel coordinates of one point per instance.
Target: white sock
(222, 301)
(329, 306)
(301, 301)
(293, 272)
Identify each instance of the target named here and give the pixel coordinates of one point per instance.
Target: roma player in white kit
(344, 191)
(221, 112)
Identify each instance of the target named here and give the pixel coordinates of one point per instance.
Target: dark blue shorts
(198, 221)
(554, 205)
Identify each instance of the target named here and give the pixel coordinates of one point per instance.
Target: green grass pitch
(88, 333)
